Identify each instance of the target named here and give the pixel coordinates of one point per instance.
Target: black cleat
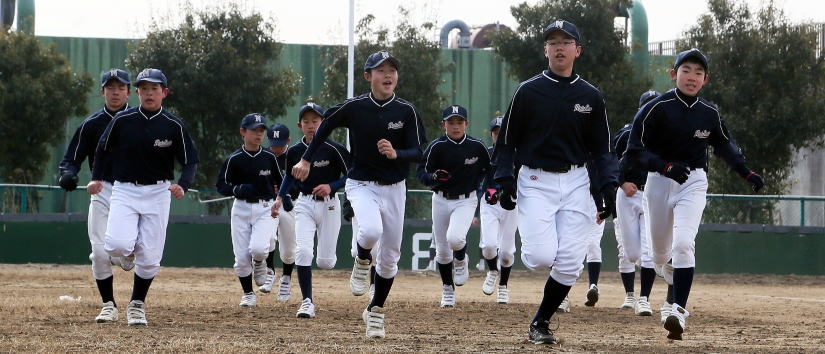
(540, 333)
(674, 328)
(592, 296)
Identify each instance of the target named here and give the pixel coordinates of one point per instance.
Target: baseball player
(386, 134)
(454, 166)
(555, 123)
(249, 174)
(284, 239)
(498, 232)
(142, 144)
(317, 208)
(669, 139)
(630, 227)
(115, 89)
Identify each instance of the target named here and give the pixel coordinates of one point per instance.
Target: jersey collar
(260, 148)
(385, 103)
(684, 98)
(140, 109)
(113, 113)
(549, 74)
(456, 142)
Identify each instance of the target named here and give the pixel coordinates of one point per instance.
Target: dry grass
(196, 309)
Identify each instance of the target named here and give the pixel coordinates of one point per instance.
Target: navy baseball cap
(310, 107)
(115, 74)
(151, 75)
(563, 26)
(278, 135)
(496, 122)
(252, 121)
(647, 96)
(454, 111)
(378, 58)
(693, 54)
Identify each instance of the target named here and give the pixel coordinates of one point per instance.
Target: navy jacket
(467, 161)
(628, 172)
(329, 165)
(258, 170)
(84, 142)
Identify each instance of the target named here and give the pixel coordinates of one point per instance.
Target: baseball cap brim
(693, 55)
(307, 109)
(148, 79)
(454, 115)
(278, 142)
(392, 61)
(549, 32)
(118, 78)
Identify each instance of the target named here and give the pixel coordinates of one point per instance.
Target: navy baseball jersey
(675, 127)
(567, 126)
(84, 143)
(467, 160)
(628, 172)
(249, 175)
(329, 165)
(143, 147)
(371, 120)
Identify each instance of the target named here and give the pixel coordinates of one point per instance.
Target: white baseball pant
(354, 248)
(498, 233)
(632, 237)
(285, 236)
(380, 212)
(323, 217)
(252, 228)
(673, 214)
(96, 226)
(451, 221)
(594, 237)
(138, 216)
(554, 220)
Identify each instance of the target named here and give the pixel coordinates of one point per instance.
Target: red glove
(491, 196)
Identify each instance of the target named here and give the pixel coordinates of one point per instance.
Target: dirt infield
(197, 310)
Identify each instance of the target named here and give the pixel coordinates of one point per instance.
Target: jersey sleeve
(415, 139)
(342, 162)
(644, 126)
(104, 147)
(509, 136)
(425, 170)
(619, 146)
(79, 148)
(288, 180)
(603, 160)
(187, 156)
(224, 184)
(333, 118)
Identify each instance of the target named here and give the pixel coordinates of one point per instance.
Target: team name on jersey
(395, 125)
(582, 109)
(163, 143)
(701, 134)
(321, 163)
(471, 160)
(264, 173)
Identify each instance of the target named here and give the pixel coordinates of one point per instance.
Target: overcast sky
(325, 21)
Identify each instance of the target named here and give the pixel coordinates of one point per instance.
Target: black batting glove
(348, 213)
(507, 194)
(606, 205)
(441, 176)
(491, 196)
(68, 181)
(755, 180)
(676, 171)
(244, 191)
(286, 203)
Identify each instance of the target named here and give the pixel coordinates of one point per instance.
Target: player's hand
(475, 221)
(322, 190)
(276, 207)
(441, 176)
(507, 194)
(606, 205)
(301, 170)
(348, 212)
(491, 196)
(629, 189)
(287, 204)
(67, 181)
(676, 171)
(177, 191)
(756, 181)
(94, 187)
(385, 148)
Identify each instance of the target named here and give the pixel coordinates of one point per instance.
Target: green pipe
(638, 35)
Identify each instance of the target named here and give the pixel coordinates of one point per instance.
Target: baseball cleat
(675, 322)
(447, 296)
(664, 311)
(481, 265)
(249, 300)
(540, 333)
(270, 279)
(374, 319)
(489, 285)
(592, 296)
(136, 314)
(360, 279)
(642, 307)
(629, 302)
(665, 271)
(461, 272)
(564, 307)
(372, 291)
(108, 313)
(503, 294)
(128, 262)
(285, 288)
(259, 272)
(307, 309)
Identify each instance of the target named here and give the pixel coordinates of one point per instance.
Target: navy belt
(558, 169)
(450, 196)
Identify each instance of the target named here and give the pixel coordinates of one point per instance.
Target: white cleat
(481, 265)
(108, 314)
(490, 281)
(372, 291)
(665, 271)
(503, 294)
(285, 288)
(270, 280)
(359, 280)
(592, 296)
(307, 309)
(564, 307)
(259, 272)
(136, 314)
(461, 272)
(447, 296)
(664, 311)
(642, 307)
(374, 319)
(675, 322)
(629, 302)
(249, 300)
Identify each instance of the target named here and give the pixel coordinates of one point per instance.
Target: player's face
(115, 94)
(309, 124)
(151, 95)
(690, 77)
(494, 134)
(455, 127)
(253, 137)
(561, 50)
(383, 80)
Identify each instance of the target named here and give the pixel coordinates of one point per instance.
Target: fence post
(24, 200)
(802, 212)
